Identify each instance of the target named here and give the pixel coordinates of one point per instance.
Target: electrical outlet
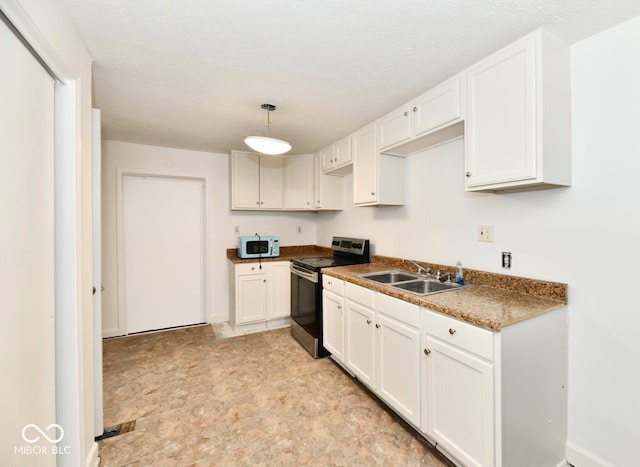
(236, 229)
(506, 259)
(299, 229)
(485, 233)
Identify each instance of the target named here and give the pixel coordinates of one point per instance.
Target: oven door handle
(311, 276)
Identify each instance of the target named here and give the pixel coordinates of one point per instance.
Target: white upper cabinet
(289, 183)
(426, 121)
(298, 182)
(378, 179)
(256, 180)
(336, 159)
(328, 189)
(518, 127)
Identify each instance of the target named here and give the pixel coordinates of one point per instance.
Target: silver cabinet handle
(415, 109)
(468, 174)
(452, 331)
(406, 114)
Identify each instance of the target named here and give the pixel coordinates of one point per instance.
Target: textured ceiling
(192, 73)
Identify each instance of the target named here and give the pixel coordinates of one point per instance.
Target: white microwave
(259, 247)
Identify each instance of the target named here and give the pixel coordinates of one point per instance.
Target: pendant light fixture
(267, 144)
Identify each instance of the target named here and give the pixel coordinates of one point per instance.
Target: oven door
(306, 300)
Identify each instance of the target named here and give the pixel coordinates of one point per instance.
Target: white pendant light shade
(267, 145)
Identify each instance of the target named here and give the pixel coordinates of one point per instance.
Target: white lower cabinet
(333, 317)
(360, 341)
(496, 398)
(459, 390)
(484, 398)
(383, 348)
(398, 356)
(260, 295)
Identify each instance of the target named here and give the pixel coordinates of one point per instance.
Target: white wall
(221, 221)
(48, 28)
(586, 236)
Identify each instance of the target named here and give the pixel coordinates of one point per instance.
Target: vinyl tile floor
(256, 399)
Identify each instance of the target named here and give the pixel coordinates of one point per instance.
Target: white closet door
(27, 301)
(163, 252)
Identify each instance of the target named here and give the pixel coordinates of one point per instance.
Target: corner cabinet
(257, 181)
(518, 126)
(378, 179)
(328, 189)
(298, 182)
(260, 295)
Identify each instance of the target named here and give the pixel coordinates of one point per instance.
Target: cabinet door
(365, 165)
(342, 153)
(399, 367)
(360, 341)
(245, 180)
(328, 189)
(326, 157)
(251, 298)
(278, 289)
(271, 182)
(500, 133)
(395, 127)
(298, 173)
(459, 411)
(437, 107)
(333, 325)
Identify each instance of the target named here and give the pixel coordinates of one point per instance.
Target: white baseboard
(92, 459)
(219, 318)
(578, 457)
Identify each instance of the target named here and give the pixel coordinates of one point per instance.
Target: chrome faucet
(426, 271)
(443, 277)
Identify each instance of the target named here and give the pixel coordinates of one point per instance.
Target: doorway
(161, 251)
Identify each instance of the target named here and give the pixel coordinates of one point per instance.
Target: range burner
(316, 263)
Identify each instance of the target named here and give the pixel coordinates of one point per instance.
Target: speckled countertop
(495, 300)
(287, 253)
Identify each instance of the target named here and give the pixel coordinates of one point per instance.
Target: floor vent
(112, 431)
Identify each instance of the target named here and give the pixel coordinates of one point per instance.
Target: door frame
(71, 387)
(122, 172)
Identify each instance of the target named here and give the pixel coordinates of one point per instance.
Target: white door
(163, 252)
(27, 301)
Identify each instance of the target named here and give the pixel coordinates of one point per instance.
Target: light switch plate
(485, 233)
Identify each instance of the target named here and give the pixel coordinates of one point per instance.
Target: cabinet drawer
(359, 295)
(400, 310)
(244, 269)
(333, 285)
(464, 335)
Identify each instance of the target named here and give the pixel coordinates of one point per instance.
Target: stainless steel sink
(426, 287)
(389, 277)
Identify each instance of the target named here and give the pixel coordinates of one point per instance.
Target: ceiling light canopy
(267, 144)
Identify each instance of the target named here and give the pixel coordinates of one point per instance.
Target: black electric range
(306, 290)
